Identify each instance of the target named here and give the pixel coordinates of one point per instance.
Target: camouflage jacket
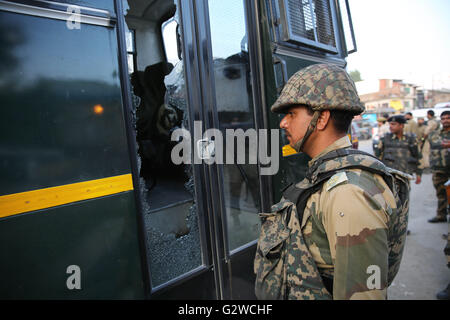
(420, 134)
(343, 241)
(439, 157)
(447, 247)
(432, 125)
(400, 154)
(412, 127)
(344, 226)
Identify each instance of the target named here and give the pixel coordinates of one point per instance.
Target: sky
(402, 39)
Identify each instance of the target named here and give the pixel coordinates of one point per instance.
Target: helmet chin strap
(311, 127)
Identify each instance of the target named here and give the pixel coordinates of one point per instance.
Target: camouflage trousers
(425, 159)
(439, 179)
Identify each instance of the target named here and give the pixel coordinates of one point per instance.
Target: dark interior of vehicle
(159, 108)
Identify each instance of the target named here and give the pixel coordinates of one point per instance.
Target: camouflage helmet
(322, 87)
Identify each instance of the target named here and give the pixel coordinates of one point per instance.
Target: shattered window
(159, 100)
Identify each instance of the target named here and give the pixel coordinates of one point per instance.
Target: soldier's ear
(323, 120)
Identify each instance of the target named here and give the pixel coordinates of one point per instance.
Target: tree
(355, 75)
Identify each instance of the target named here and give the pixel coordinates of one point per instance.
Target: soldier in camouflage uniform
(440, 165)
(420, 141)
(398, 150)
(420, 131)
(432, 125)
(411, 126)
(382, 128)
(343, 233)
(445, 294)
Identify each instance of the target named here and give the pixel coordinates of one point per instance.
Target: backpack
(283, 265)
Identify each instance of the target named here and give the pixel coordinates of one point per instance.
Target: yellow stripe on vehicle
(22, 202)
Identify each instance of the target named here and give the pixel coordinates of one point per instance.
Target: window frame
(288, 36)
(162, 26)
(133, 51)
(62, 11)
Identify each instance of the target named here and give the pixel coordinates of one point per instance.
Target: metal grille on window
(324, 23)
(301, 18)
(309, 22)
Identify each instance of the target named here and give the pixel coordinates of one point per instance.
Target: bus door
(165, 101)
(233, 108)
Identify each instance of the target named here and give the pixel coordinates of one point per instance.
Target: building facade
(392, 95)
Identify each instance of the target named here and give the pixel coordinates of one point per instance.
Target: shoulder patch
(335, 180)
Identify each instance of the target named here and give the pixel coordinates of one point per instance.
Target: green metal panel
(53, 81)
(292, 168)
(97, 235)
(61, 122)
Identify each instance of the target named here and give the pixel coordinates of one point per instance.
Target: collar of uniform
(394, 137)
(340, 143)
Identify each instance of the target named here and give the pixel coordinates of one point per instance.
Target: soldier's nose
(283, 123)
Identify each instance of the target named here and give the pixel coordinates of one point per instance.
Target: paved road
(423, 271)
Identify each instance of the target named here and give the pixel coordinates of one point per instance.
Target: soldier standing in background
(439, 142)
(432, 125)
(421, 131)
(445, 294)
(398, 150)
(383, 126)
(421, 140)
(411, 126)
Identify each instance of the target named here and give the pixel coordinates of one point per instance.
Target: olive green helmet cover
(322, 87)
